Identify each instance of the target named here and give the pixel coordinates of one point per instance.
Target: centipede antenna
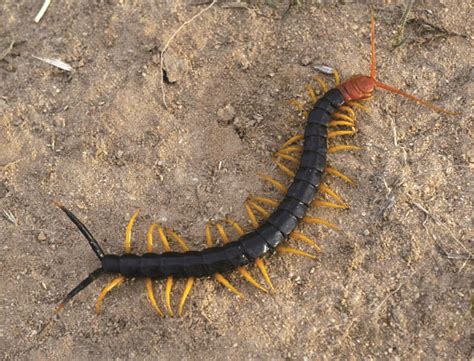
(393, 89)
(86, 282)
(372, 46)
(83, 229)
(412, 97)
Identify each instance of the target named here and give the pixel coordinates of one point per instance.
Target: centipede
(303, 158)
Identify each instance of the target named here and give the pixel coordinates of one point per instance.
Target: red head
(362, 86)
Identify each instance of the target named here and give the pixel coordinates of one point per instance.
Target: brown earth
(393, 284)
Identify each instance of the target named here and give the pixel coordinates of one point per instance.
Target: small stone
(119, 154)
(306, 60)
(226, 114)
(42, 236)
(174, 66)
(258, 117)
(156, 59)
(366, 232)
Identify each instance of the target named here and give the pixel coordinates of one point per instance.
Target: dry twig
(42, 10)
(168, 44)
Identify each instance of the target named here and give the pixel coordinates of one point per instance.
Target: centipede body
(267, 236)
(275, 228)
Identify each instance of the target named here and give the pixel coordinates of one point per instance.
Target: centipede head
(362, 86)
(95, 247)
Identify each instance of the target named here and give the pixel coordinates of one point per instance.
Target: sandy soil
(394, 284)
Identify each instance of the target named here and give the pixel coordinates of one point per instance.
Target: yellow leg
(337, 78)
(291, 149)
(187, 289)
(335, 123)
(284, 169)
(293, 140)
(242, 270)
(301, 237)
(169, 286)
(342, 116)
(311, 93)
(222, 233)
(297, 104)
(177, 239)
(112, 284)
(219, 277)
(338, 133)
(128, 232)
(320, 203)
(250, 279)
(348, 110)
(190, 280)
(148, 280)
(164, 239)
(263, 212)
(236, 226)
(354, 104)
(273, 182)
(323, 188)
(342, 147)
(265, 200)
(223, 281)
(287, 157)
(321, 83)
(263, 270)
(333, 171)
(209, 241)
(151, 296)
(314, 220)
(251, 215)
(259, 262)
(298, 252)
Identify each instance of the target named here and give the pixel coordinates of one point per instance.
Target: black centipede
(331, 116)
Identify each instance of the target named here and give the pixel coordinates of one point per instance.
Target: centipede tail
(303, 158)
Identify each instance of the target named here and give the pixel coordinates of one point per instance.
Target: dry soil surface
(394, 283)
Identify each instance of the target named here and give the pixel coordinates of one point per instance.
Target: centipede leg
(298, 252)
(302, 237)
(259, 262)
(292, 140)
(187, 289)
(217, 276)
(273, 182)
(333, 171)
(111, 285)
(169, 280)
(148, 280)
(241, 270)
(323, 188)
(118, 280)
(190, 280)
(342, 147)
(314, 220)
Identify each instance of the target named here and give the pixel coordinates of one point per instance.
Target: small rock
(226, 114)
(306, 60)
(366, 232)
(258, 117)
(42, 236)
(174, 66)
(119, 154)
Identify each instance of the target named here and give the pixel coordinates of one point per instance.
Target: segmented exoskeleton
(331, 116)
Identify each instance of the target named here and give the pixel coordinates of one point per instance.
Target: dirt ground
(393, 284)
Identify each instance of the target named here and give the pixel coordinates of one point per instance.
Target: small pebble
(306, 60)
(226, 114)
(42, 236)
